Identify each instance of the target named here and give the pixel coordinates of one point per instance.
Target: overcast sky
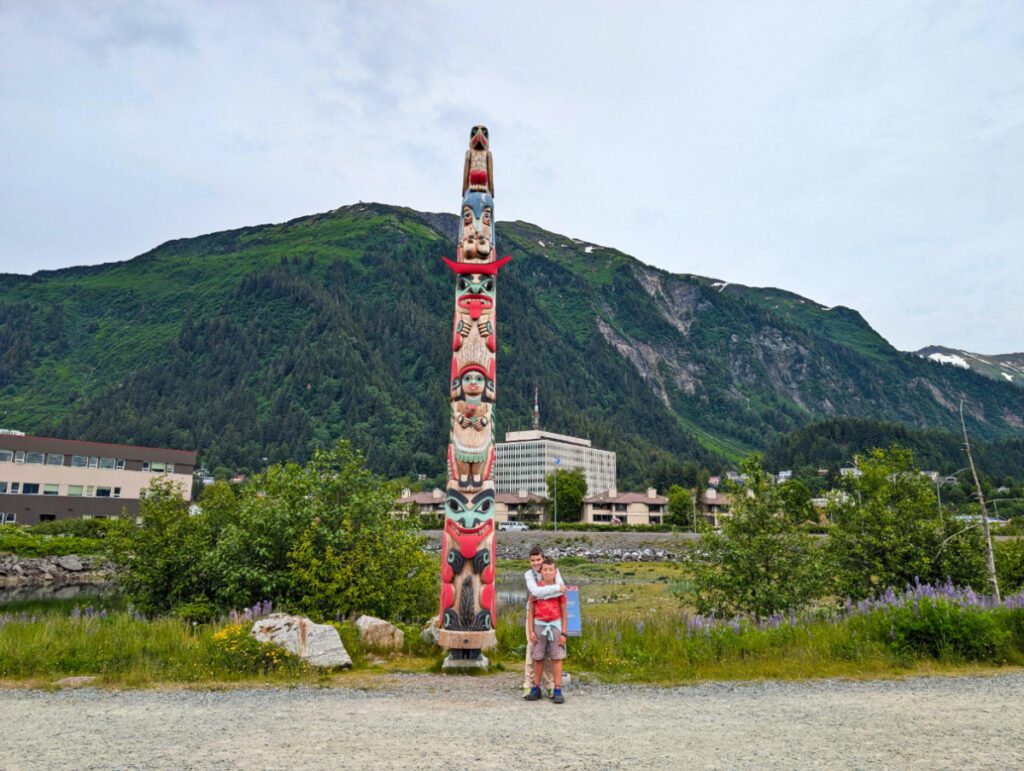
(868, 154)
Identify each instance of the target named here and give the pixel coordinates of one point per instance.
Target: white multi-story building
(524, 460)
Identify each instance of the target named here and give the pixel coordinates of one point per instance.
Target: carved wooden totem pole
(467, 567)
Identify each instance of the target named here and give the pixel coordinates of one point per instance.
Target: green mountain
(265, 342)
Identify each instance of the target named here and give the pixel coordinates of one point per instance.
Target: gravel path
(432, 721)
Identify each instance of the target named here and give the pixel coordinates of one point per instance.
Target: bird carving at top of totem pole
(478, 173)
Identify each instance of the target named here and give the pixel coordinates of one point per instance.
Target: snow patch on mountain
(956, 361)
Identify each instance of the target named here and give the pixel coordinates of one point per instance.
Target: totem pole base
(463, 640)
(452, 664)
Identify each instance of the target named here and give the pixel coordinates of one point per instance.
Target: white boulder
(318, 644)
(378, 633)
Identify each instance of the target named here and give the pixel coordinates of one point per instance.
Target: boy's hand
(563, 588)
(533, 637)
(561, 639)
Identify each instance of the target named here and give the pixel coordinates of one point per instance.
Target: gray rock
(70, 562)
(74, 682)
(432, 631)
(318, 644)
(378, 633)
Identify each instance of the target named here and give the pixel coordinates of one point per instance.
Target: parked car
(513, 526)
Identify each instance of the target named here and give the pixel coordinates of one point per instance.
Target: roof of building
(517, 498)
(69, 446)
(537, 435)
(422, 498)
(618, 497)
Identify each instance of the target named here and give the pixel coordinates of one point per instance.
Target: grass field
(636, 628)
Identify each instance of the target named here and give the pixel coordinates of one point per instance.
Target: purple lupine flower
(736, 625)
(639, 627)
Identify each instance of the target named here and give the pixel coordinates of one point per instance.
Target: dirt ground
(436, 721)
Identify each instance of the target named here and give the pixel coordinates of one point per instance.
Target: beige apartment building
(615, 508)
(45, 479)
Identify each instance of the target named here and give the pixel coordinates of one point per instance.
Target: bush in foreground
(319, 539)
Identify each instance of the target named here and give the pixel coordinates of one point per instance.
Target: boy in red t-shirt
(546, 622)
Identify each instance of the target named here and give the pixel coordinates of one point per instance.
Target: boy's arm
(541, 592)
(564, 605)
(529, 614)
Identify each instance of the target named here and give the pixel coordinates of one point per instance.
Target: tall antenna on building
(536, 409)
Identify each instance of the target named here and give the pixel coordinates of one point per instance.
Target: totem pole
(467, 612)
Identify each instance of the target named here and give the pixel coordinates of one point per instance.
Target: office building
(45, 479)
(524, 460)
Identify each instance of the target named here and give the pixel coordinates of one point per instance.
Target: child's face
(547, 572)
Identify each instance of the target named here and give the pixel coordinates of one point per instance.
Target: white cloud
(867, 155)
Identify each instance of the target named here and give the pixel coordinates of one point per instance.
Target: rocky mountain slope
(1008, 367)
(259, 344)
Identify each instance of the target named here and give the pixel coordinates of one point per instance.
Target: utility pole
(993, 579)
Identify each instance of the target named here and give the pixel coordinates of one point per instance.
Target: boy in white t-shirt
(532, 577)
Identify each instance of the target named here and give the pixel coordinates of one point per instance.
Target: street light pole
(558, 462)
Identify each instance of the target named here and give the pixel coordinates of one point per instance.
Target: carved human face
(476, 284)
(473, 384)
(469, 511)
(467, 216)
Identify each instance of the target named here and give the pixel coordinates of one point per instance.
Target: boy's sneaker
(526, 691)
(534, 694)
(558, 698)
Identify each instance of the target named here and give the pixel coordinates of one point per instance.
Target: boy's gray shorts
(545, 648)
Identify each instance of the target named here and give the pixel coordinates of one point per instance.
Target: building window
(35, 458)
(602, 517)
(19, 456)
(51, 489)
(53, 459)
(75, 491)
(47, 517)
(107, 463)
(170, 468)
(3, 488)
(79, 461)
(94, 462)
(120, 464)
(102, 492)
(30, 488)
(145, 466)
(6, 456)
(156, 467)
(89, 491)
(10, 518)
(15, 488)
(117, 492)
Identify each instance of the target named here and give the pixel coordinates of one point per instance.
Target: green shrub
(319, 539)
(944, 630)
(83, 528)
(23, 542)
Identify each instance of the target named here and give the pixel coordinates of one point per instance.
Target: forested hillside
(265, 342)
(833, 443)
